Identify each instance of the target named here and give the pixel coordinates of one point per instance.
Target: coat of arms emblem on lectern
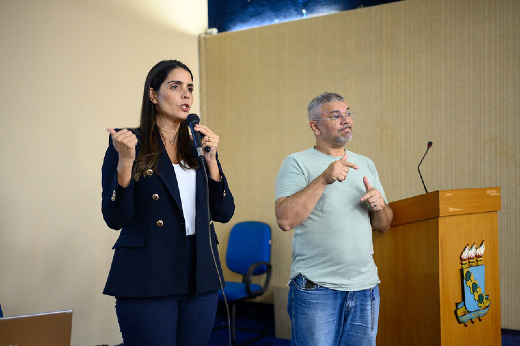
(475, 302)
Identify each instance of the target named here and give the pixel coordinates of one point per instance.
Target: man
(333, 199)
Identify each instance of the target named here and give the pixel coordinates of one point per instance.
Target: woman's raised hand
(124, 142)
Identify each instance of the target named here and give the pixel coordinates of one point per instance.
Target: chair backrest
(249, 242)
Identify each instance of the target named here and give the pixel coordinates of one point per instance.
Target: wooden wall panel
(415, 71)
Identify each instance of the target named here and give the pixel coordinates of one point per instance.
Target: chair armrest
(248, 276)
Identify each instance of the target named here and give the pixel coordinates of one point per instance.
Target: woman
(165, 273)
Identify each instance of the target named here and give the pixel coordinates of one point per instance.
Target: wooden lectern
(420, 267)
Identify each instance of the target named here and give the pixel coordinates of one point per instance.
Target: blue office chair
(249, 254)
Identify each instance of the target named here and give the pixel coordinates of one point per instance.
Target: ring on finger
(209, 139)
(374, 205)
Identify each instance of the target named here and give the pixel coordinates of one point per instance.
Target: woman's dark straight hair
(148, 156)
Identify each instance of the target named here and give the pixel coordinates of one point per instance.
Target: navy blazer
(150, 253)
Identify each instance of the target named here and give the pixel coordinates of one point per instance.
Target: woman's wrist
(214, 172)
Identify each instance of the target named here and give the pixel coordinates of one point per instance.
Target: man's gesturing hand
(373, 197)
(338, 170)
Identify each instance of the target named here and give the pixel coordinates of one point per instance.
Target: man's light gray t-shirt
(333, 246)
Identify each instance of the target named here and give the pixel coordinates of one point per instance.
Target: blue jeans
(324, 317)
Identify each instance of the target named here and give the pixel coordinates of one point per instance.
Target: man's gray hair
(314, 106)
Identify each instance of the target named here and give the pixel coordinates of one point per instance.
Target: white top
(187, 182)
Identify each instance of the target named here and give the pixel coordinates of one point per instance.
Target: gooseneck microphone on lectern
(429, 146)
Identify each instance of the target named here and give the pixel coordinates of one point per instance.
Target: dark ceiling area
(231, 15)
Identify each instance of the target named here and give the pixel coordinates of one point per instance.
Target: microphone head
(429, 143)
(192, 119)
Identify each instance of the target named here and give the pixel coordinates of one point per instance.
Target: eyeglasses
(337, 116)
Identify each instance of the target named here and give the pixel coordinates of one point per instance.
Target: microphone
(192, 120)
(429, 146)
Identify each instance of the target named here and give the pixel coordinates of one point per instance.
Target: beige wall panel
(415, 71)
(69, 70)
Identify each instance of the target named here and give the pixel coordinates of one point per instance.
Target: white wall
(68, 70)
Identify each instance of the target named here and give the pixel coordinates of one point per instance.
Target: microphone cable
(203, 163)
